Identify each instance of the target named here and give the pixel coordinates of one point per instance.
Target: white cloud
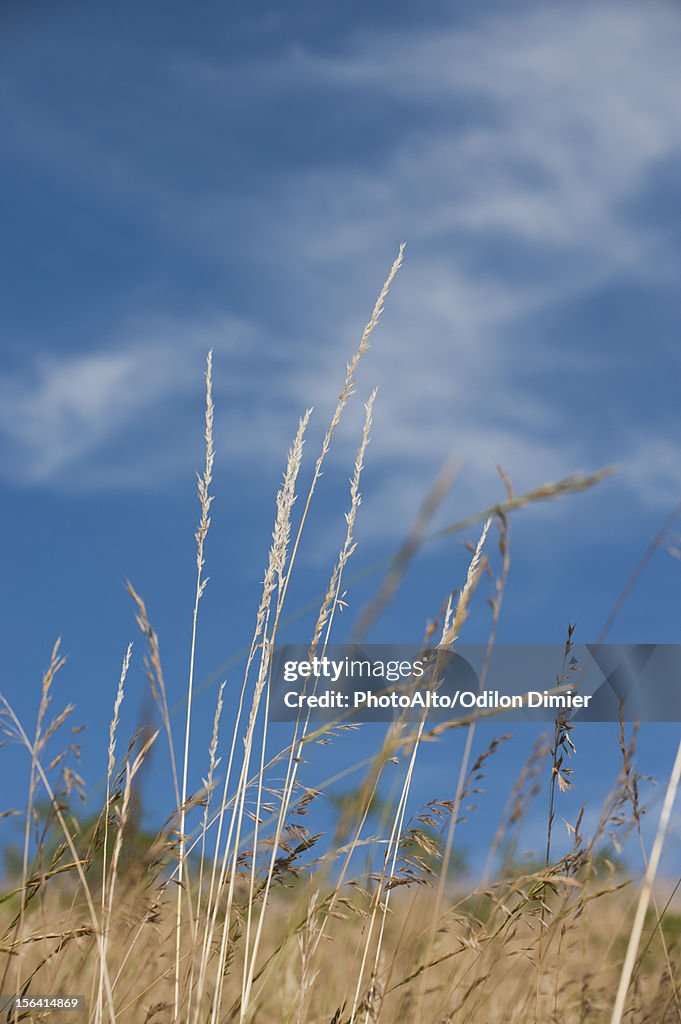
(63, 414)
(518, 157)
(557, 128)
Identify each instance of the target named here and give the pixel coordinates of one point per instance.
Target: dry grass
(236, 911)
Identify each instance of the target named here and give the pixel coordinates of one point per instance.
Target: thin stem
(646, 890)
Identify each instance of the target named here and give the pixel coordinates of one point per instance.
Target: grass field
(239, 911)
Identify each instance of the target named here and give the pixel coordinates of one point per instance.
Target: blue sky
(240, 178)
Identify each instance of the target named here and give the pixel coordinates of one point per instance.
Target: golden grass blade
(205, 501)
(646, 890)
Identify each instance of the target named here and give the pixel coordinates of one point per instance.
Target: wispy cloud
(535, 124)
(110, 417)
(66, 408)
(520, 156)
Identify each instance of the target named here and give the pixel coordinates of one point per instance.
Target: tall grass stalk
(345, 394)
(57, 662)
(273, 574)
(326, 616)
(263, 613)
(106, 887)
(205, 501)
(646, 890)
(59, 814)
